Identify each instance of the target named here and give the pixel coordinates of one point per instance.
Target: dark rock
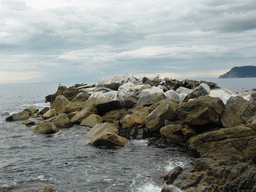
(201, 90)
(172, 175)
(46, 128)
(24, 115)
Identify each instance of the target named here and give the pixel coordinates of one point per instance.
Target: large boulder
(49, 114)
(78, 103)
(106, 134)
(62, 121)
(32, 110)
(59, 104)
(46, 128)
(104, 102)
(148, 97)
(91, 120)
(165, 111)
(24, 115)
(224, 143)
(171, 94)
(252, 123)
(250, 109)
(136, 119)
(88, 110)
(114, 115)
(201, 111)
(202, 90)
(232, 114)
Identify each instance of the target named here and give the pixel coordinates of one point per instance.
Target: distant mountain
(240, 72)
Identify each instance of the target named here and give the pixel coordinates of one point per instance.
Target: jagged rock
(129, 89)
(224, 94)
(252, 123)
(224, 143)
(201, 111)
(49, 114)
(105, 134)
(59, 104)
(88, 110)
(136, 119)
(114, 115)
(184, 90)
(28, 123)
(78, 103)
(91, 121)
(232, 114)
(149, 96)
(171, 94)
(73, 114)
(156, 119)
(250, 109)
(62, 121)
(46, 128)
(201, 90)
(24, 115)
(129, 102)
(134, 133)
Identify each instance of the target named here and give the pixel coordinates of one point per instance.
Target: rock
(134, 133)
(31, 110)
(91, 121)
(88, 110)
(189, 180)
(24, 115)
(69, 93)
(128, 102)
(72, 114)
(28, 123)
(78, 103)
(201, 90)
(201, 111)
(47, 190)
(114, 115)
(105, 134)
(129, 89)
(234, 108)
(46, 128)
(171, 94)
(62, 121)
(44, 110)
(224, 143)
(149, 96)
(172, 175)
(59, 104)
(136, 119)
(156, 119)
(104, 102)
(252, 123)
(223, 94)
(173, 133)
(184, 90)
(250, 109)
(49, 114)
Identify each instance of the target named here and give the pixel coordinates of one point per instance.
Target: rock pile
(219, 128)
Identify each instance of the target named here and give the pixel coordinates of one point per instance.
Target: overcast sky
(87, 40)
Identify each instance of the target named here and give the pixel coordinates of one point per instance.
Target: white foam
(148, 187)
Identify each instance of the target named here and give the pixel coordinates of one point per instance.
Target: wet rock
(224, 143)
(29, 123)
(201, 90)
(91, 120)
(172, 175)
(201, 111)
(31, 110)
(156, 119)
(46, 128)
(173, 133)
(234, 108)
(106, 134)
(134, 133)
(24, 115)
(59, 104)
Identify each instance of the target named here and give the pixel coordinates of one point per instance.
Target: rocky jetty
(217, 126)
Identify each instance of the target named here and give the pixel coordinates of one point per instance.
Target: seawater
(65, 162)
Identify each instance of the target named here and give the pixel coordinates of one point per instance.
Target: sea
(64, 161)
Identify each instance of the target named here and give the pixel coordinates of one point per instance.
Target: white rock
(146, 92)
(171, 94)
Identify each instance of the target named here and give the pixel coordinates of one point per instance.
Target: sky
(84, 41)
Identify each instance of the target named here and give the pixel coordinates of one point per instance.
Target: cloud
(19, 77)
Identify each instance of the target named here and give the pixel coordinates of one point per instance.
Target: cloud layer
(84, 40)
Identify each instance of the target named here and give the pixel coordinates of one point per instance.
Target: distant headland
(240, 72)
